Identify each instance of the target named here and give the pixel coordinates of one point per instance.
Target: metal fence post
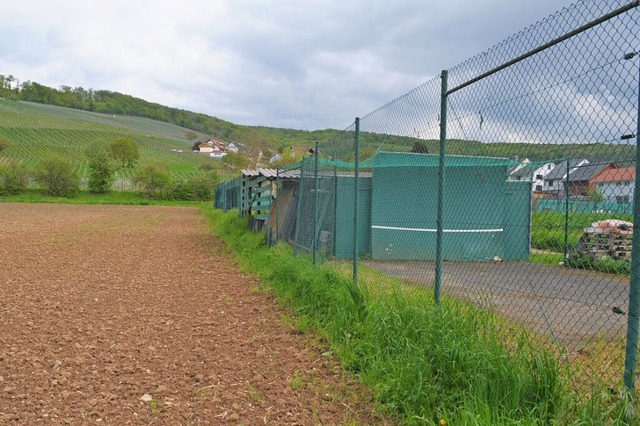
(566, 211)
(277, 204)
(356, 203)
(224, 198)
(299, 196)
(631, 353)
(335, 197)
(440, 190)
(315, 205)
(238, 185)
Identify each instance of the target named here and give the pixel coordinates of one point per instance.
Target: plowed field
(136, 315)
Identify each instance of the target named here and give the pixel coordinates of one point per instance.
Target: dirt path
(134, 315)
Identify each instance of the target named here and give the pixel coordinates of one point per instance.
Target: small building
(213, 148)
(534, 173)
(487, 215)
(617, 185)
(555, 179)
(580, 179)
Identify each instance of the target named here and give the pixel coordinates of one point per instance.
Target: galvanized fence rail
(508, 182)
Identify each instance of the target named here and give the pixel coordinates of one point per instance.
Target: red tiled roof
(620, 174)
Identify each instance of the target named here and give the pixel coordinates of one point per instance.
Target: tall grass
(423, 363)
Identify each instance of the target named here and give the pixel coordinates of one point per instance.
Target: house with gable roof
(617, 185)
(213, 148)
(534, 173)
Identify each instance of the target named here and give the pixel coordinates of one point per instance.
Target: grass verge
(83, 197)
(425, 364)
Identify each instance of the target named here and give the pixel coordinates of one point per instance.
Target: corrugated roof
(621, 174)
(525, 171)
(271, 173)
(250, 173)
(560, 171)
(586, 172)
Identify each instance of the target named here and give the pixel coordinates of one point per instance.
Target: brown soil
(135, 315)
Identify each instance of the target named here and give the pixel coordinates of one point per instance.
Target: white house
(534, 173)
(554, 180)
(232, 147)
(213, 148)
(617, 185)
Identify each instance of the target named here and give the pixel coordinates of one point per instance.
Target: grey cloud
(309, 65)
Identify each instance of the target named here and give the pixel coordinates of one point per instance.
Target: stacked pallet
(611, 238)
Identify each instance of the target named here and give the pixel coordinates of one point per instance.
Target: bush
(100, 174)
(195, 188)
(155, 182)
(236, 160)
(56, 177)
(13, 178)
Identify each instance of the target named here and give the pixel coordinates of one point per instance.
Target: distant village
(579, 178)
(215, 148)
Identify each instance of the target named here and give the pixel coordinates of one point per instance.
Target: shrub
(155, 182)
(195, 188)
(13, 178)
(235, 160)
(56, 177)
(100, 174)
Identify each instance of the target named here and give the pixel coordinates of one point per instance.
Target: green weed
(423, 363)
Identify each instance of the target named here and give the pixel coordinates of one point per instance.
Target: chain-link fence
(508, 182)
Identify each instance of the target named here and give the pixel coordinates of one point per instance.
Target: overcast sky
(304, 64)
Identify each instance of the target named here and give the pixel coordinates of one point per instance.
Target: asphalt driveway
(571, 305)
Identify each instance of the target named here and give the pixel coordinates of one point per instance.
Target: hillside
(64, 121)
(107, 102)
(36, 132)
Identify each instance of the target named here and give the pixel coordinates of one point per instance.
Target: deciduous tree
(124, 150)
(100, 174)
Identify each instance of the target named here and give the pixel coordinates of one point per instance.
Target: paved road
(572, 305)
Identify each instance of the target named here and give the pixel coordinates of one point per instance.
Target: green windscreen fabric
(409, 159)
(485, 216)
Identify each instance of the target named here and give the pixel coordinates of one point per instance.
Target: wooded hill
(268, 138)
